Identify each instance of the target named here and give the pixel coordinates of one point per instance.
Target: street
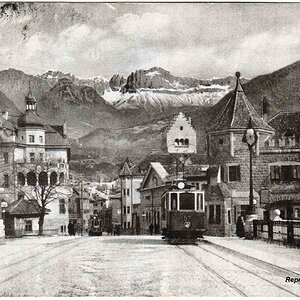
(130, 266)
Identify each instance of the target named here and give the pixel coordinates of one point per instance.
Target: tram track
(68, 244)
(207, 267)
(251, 272)
(236, 265)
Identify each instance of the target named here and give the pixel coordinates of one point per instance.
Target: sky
(202, 40)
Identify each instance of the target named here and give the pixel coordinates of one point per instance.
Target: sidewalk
(277, 255)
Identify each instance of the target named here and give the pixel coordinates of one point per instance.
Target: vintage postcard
(149, 149)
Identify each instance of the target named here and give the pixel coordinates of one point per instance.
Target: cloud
(148, 26)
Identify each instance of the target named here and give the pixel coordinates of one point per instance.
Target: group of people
(153, 229)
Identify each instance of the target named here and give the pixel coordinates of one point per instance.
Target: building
(275, 164)
(130, 180)
(35, 155)
(181, 136)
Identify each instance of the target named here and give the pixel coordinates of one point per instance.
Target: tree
(43, 184)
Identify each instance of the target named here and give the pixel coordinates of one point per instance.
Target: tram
(183, 214)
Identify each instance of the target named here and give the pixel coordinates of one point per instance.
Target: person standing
(151, 228)
(240, 229)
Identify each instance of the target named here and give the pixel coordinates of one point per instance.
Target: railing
(287, 232)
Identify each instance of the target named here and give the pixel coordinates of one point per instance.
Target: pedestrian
(71, 228)
(151, 228)
(240, 229)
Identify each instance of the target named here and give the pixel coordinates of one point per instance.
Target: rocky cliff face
(15, 85)
(99, 83)
(117, 82)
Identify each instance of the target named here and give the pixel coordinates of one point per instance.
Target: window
(274, 173)
(234, 173)
(31, 178)
(41, 139)
(181, 127)
(28, 225)
(128, 225)
(186, 201)
(128, 210)
(31, 138)
(218, 214)
(124, 225)
(62, 207)
(6, 180)
(63, 228)
(286, 173)
(124, 192)
(124, 210)
(5, 156)
(21, 179)
(296, 173)
(296, 213)
(31, 157)
(173, 201)
(199, 201)
(41, 156)
(128, 192)
(186, 142)
(229, 216)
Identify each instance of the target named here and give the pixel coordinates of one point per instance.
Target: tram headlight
(187, 224)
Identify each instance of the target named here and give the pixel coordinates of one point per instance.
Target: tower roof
(236, 112)
(30, 118)
(29, 97)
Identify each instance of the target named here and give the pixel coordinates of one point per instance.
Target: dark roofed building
(236, 112)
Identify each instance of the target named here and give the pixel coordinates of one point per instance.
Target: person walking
(151, 228)
(240, 229)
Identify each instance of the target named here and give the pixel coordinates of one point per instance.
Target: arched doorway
(31, 178)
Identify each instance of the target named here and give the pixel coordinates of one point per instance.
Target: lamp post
(4, 205)
(250, 137)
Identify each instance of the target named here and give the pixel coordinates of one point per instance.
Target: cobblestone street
(131, 266)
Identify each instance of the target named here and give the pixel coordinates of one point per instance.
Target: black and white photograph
(150, 149)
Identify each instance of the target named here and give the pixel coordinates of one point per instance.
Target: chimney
(266, 106)
(65, 130)
(4, 114)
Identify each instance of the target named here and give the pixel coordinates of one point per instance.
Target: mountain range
(107, 119)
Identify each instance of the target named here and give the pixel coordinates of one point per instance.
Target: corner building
(228, 156)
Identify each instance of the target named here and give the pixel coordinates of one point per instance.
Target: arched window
(186, 142)
(21, 179)
(176, 142)
(61, 177)
(181, 142)
(53, 178)
(43, 178)
(31, 178)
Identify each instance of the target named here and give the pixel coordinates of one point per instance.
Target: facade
(35, 154)
(130, 181)
(275, 164)
(152, 188)
(181, 136)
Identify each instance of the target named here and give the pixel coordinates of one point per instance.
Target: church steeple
(30, 101)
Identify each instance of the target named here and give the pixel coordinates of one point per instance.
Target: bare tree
(39, 186)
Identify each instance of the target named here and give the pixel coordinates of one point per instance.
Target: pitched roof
(30, 118)
(160, 170)
(125, 170)
(285, 122)
(236, 112)
(54, 138)
(24, 207)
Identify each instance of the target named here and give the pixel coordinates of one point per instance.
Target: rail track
(235, 264)
(65, 246)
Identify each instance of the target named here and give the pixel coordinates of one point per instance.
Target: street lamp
(250, 137)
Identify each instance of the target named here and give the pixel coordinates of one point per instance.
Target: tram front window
(186, 201)
(173, 201)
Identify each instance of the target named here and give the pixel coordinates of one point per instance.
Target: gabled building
(130, 180)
